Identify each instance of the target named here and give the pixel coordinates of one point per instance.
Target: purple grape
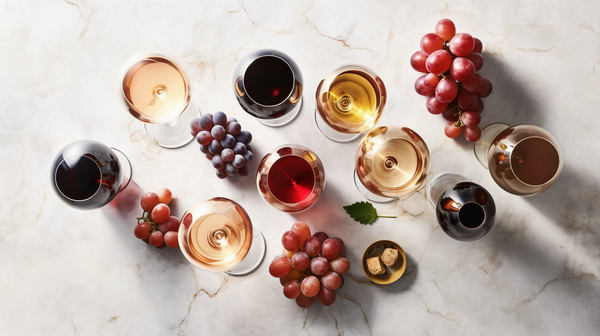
(218, 162)
(230, 169)
(248, 156)
(220, 118)
(228, 141)
(209, 156)
(243, 171)
(249, 148)
(204, 149)
(205, 122)
(238, 161)
(215, 147)
(231, 119)
(221, 173)
(204, 138)
(195, 126)
(218, 132)
(227, 154)
(245, 137)
(239, 148)
(233, 128)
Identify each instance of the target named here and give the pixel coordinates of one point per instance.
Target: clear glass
(217, 235)
(524, 160)
(291, 178)
(268, 85)
(391, 162)
(349, 102)
(439, 184)
(157, 91)
(87, 174)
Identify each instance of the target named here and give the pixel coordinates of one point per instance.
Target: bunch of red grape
(310, 266)
(224, 143)
(156, 226)
(451, 82)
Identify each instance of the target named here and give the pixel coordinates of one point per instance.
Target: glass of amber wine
(391, 162)
(291, 178)
(524, 160)
(217, 235)
(268, 85)
(350, 101)
(157, 91)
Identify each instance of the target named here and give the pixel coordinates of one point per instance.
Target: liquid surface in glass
(534, 161)
(291, 179)
(269, 80)
(78, 178)
(395, 163)
(353, 98)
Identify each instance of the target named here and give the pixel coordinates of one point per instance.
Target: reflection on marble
(65, 271)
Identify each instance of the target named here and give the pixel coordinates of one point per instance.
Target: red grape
(467, 100)
(435, 106)
(431, 42)
(330, 249)
(471, 118)
(477, 60)
(461, 44)
(149, 201)
(341, 242)
(486, 89)
(331, 280)
(142, 230)
(445, 29)
(431, 80)
(449, 114)
(291, 289)
(446, 90)
(474, 84)
(302, 230)
(160, 213)
(472, 133)
(280, 267)
(417, 61)
(290, 241)
(293, 275)
(171, 239)
(462, 69)
(156, 239)
(171, 224)
(438, 62)
(319, 266)
(310, 286)
(478, 46)
(312, 246)
(321, 235)
(451, 130)
(423, 89)
(304, 301)
(326, 296)
(164, 195)
(480, 105)
(288, 254)
(340, 265)
(300, 261)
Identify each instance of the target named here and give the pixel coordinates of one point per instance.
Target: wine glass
(268, 85)
(390, 162)
(349, 102)
(217, 235)
(87, 174)
(524, 160)
(291, 178)
(464, 210)
(157, 91)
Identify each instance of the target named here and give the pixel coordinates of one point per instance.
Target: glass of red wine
(268, 85)
(291, 178)
(87, 174)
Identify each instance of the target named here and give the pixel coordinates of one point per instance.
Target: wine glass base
(440, 183)
(482, 146)
(369, 194)
(255, 255)
(284, 119)
(176, 133)
(332, 134)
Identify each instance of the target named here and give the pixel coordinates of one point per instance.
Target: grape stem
(387, 216)
(146, 218)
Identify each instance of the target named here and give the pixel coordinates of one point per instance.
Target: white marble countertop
(66, 271)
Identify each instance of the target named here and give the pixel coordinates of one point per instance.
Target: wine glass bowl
(524, 160)
(349, 102)
(217, 235)
(87, 174)
(156, 90)
(268, 85)
(291, 178)
(390, 162)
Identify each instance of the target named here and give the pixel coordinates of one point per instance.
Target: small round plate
(392, 273)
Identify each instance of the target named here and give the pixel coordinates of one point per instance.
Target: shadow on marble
(127, 199)
(322, 215)
(407, 280)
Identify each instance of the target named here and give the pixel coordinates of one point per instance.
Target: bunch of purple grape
(450, 62)
(224, 143)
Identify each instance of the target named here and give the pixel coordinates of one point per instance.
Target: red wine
(471, 215)
(291, 179)
(269, 80)
(78, 178)
(535, 161)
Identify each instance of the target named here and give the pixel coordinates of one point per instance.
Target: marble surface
(68, 272)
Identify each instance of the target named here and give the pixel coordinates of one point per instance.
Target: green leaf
(363, 212)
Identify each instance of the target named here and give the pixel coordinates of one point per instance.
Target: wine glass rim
(73, 199)
(280, 57)
(558, 168)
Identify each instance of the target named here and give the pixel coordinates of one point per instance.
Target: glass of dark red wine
(291, 178)
(268, 85)
(87, 174)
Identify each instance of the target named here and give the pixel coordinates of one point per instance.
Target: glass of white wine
(349, 102)
(217, 235)
(157, 91)
(391, 162)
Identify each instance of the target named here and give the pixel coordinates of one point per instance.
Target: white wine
(156, 90)
(351, 100)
